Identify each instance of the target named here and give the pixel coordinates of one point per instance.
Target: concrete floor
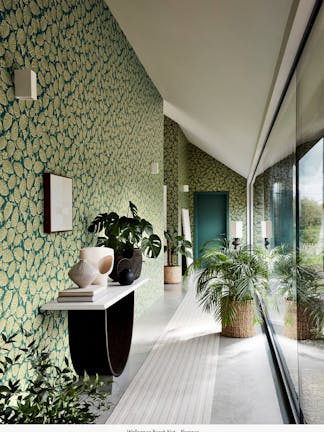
(244, 393)
(146, 331)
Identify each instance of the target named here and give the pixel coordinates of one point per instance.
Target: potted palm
(176, 245)
(228, 282)
(301, 286)
(129, 236)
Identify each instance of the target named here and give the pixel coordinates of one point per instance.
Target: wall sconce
(25, 84)
(155, 168)
(266, 232)
(236, 232)
(185, 188)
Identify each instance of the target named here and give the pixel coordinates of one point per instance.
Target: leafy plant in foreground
(52, 394)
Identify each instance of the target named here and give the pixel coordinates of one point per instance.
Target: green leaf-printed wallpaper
(207, 174)
(185, 163)
(98, 119)
(175, 170)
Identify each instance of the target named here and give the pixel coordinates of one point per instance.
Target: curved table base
(100, 340)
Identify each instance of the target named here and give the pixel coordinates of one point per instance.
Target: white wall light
(266, 229)
(25, 84)
(236, 229)
(236, 232)
(185, 188)
(266, 232)
(155, 168)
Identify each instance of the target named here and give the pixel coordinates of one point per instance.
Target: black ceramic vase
(126, 277)
(134, 262)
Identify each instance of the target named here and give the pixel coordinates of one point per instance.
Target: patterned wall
(282, 174)
(99, 120)
(176, 170)
(171, 168)
(183, 169)
(185, 163)
(207, 174)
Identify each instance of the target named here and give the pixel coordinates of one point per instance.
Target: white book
(74, 299)
(88, 291)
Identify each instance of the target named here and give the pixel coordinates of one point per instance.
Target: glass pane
(274, 203)
(310, 126)
(310, 289)
(288, 198)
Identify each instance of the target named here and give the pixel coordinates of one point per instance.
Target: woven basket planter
(299, 324)
(172, 275)
(243, 325)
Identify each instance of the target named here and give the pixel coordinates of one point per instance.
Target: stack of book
(90, 293)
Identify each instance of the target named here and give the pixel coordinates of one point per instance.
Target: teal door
(211, 218)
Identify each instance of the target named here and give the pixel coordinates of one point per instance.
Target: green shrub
(51, 394)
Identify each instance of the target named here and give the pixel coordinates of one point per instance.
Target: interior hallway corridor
(161, 385)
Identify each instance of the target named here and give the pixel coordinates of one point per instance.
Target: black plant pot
(134, 262)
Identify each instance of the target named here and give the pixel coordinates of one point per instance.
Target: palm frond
(226, 276)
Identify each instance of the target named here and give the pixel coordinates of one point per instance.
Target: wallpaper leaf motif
(98, 119)
(185, 163)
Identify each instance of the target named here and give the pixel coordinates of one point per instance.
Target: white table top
(115, 292)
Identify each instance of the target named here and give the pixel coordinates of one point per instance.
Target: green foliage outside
(310, 221)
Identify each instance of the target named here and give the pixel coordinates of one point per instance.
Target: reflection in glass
(274, 200)
(288, 191)
(310, 299)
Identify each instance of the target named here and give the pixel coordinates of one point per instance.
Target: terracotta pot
(299, 323)
(243, 325)
(172, 275)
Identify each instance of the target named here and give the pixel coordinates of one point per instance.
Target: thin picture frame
(57, 203)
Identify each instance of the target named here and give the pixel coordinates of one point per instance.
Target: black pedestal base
(100, 340)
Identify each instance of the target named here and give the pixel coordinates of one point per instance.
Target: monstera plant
(129, 236)
(176, 245)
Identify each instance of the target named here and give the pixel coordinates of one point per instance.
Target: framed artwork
(57, 203)
(186, 231)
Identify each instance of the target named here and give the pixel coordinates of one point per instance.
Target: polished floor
(147, 329)
(175, 384)
(243, 393)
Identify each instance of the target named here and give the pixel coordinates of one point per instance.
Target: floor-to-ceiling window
(288, 212)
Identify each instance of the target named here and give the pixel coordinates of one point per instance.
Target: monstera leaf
(103, 220)
(98, 223)
(124, 234)
(151, 246)
(133, 209)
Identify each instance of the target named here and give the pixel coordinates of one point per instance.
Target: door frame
(196, 193)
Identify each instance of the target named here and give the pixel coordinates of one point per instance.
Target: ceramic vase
(83, 273)
(126, 277)
(102, 258)
(135, 263)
